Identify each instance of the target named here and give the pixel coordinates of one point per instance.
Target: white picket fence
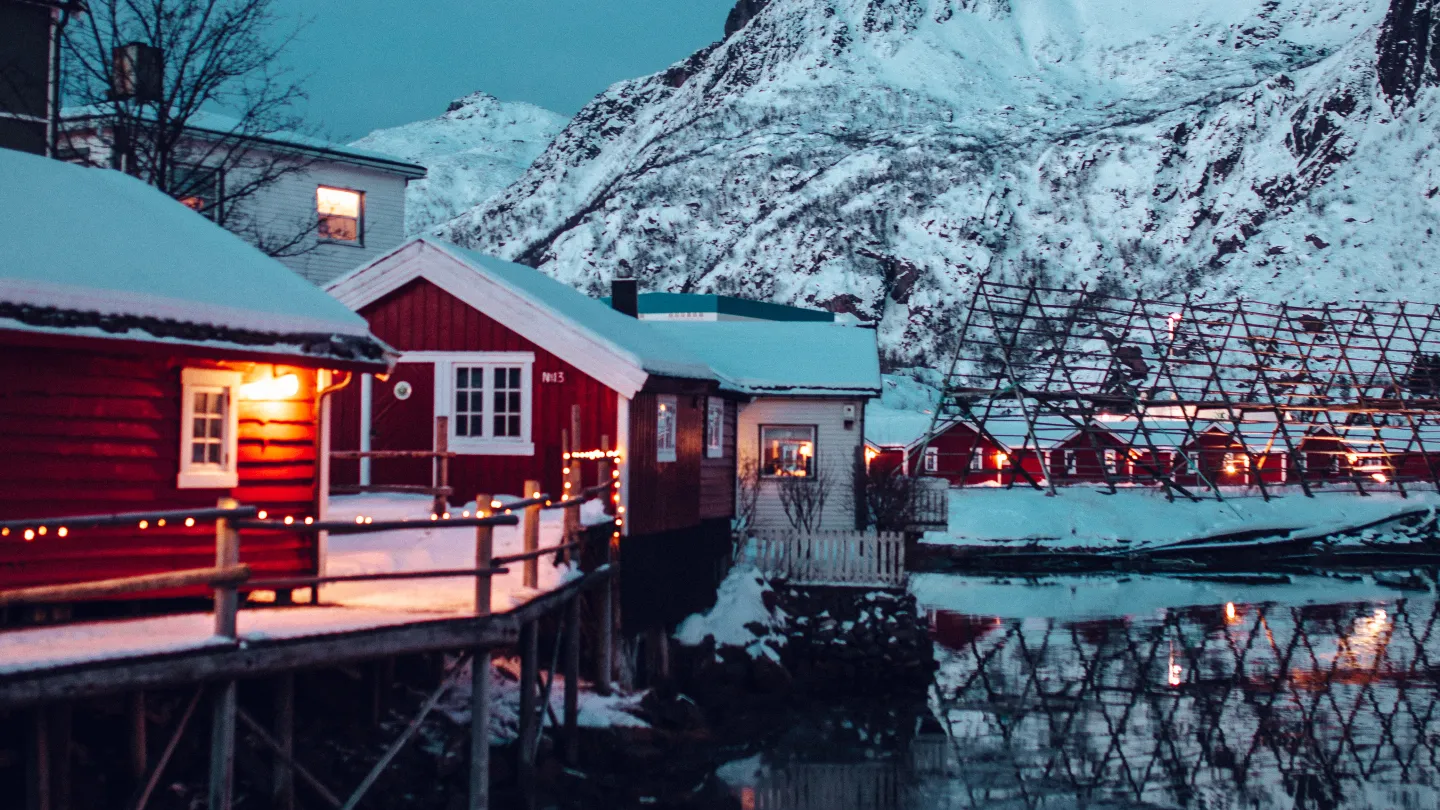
(832, 557)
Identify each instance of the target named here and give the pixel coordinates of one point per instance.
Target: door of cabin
(404, 424)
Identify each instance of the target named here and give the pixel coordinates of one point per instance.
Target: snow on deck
(345, 607)
(1137, 517)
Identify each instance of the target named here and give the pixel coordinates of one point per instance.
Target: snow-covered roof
(616, 349)
(894, 427)
(781, 357)
(211, 123)
(96, 252)
(1014, 433)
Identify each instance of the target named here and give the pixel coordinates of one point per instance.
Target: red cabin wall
(1089, 456)
(665, 496)
(422, 317)
(91, 432)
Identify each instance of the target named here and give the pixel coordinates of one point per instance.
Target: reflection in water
(1231, 706)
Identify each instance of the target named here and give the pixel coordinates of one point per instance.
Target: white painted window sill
(465, 448)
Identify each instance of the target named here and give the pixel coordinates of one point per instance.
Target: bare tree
(803, 497)
(189, 96)
(889, 498)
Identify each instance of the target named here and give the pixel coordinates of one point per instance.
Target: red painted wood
(94, 428)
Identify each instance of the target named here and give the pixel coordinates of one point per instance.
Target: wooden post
(38, 762)
(442, 463)
(532, 535)
(222, 747)
(480, 670)
(139, 741)
(572, 679)
(571, 489)
(529, 665)
(282, 793)
(227, 555)
(605, 644)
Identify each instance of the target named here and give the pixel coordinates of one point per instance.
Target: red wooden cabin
(504, 352)
(153, 361)
(1093, 454)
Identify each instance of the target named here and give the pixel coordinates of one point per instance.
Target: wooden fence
(832, 557)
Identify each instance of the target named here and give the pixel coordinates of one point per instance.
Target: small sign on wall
(557, 377)
(403, 390)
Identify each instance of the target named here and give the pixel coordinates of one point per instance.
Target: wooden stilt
(484, 553)
(572, 679)
(605, 644)
(282, 787)
(61, 728)
(227, 555)
(480, 731)
(280, 751)
(222, 747)
(529, 665)
(532, 535)
(169, 751)
(139, 738)
(38, 780)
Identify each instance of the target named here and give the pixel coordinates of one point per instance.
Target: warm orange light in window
(283, 387)
(337, 202)
(1002, 459)
(870, 454)
(1380, 478)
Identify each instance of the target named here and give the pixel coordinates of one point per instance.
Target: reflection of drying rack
(1270, 702)
(1344, 394)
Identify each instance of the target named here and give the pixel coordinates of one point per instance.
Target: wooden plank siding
(87, 433)
(420, 316)
(665, 496)
(717, 475)
(837, 451)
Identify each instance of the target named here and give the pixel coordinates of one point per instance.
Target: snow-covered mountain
(876, 156)
(477, 148)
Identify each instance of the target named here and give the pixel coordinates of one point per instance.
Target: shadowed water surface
(1228, 705)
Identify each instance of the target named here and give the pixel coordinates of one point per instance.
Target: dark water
(1238, 705)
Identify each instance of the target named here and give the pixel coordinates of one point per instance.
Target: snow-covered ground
(432, 549)
(596, 711)
(1076, 597)
(1138, 517)
(739, 605)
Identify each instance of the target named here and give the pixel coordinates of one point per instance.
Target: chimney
(625, 296)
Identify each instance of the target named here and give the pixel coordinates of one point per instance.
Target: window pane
(514, 426)
(514, 378)
(787, 450)
(462, 426)
(338, 202)
(197, 453)
(460, 400)
(216, 428)
(499, 426)
(499, 401)
(462, 378)
(514, 402)
(477, 426)
(214, 453)
(197, 427)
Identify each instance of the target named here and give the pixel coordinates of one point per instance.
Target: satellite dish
(403, 390)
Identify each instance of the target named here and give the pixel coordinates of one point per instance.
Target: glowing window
(714, 427)
(341, 213)
(787, 450)
(666, 422)
(208, 428)
(932, 459)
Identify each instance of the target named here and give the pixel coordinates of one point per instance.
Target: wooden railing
(929, 508)
(440, 474)
(832, 557)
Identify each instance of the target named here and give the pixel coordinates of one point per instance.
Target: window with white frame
(666, 425)
(1112, 462)
(1071, 461)
(208, 429)
(714, 427)
(487, 398)
(787, 450)
(341, 213)
(976, 462)
(932, 459)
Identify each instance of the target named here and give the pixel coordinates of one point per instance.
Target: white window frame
(714, 427)
(931, 460)
(445, 364)
(225, 475)
(813, 466)
(359, 240)
(1112, 461)
(667, 429)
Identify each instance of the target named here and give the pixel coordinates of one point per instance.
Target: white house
(335, 208)
(803, 423)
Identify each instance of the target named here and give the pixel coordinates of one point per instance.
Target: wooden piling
(227, 555)
(442, 464)
(572, 679)
(282, 787)
(480, 670)
(605, 644)
(222, 747)
(531, 528)
(529, 673)
(37, 775)
(139, 737)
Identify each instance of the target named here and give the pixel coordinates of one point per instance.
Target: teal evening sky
(379, 63)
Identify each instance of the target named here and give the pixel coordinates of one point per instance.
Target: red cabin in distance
(153, 362)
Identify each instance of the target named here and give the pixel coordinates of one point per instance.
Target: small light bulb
(63, 531)
(289, 519)
(465, 513)
(359, 518)
(309, 520)
(434, 516)
(42, 531)
(262, 514)
(369, 520)
(4, 532)
(189, 521)
(29, 534)
(144, 524)
(160, 522)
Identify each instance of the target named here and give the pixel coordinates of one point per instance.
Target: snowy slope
(477, 148)
(876, 156)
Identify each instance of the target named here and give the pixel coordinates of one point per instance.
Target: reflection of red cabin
(158, 366)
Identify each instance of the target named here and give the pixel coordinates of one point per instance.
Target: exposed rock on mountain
(477, 148)
(876, 156)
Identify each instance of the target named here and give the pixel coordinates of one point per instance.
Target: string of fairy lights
(39, 530)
